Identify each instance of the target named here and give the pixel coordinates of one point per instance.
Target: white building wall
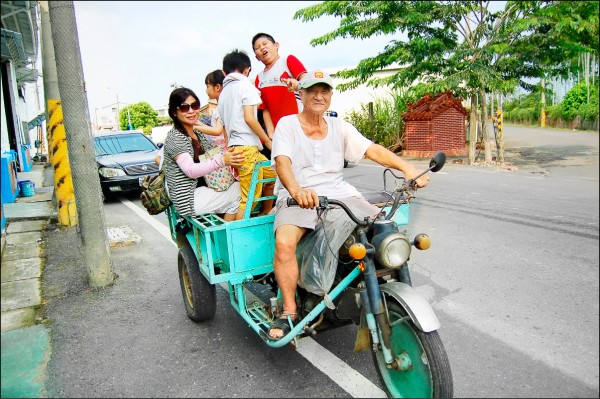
(344, 102)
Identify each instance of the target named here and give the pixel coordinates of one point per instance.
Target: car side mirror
(160, 145)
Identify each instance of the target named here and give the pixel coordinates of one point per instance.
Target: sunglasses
(195, 106)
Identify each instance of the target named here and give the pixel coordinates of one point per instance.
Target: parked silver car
(124, 158)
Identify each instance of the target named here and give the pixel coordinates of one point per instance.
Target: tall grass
(386, 126)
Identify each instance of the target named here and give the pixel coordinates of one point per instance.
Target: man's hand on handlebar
(410, 172)
(306, 198)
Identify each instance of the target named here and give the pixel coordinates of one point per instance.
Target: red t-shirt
(274, 93)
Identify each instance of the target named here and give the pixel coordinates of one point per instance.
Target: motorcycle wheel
(199, 296)
(428, 374)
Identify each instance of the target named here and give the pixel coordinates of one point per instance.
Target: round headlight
(111, 172)
(393, 251)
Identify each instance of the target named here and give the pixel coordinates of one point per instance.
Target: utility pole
(57, 145)
(88, 194)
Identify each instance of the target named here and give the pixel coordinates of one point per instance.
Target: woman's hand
(234, 158)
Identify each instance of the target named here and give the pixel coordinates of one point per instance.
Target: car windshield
(110, 145)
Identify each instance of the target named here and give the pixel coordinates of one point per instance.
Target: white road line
(143, 213)
(333, 367)
(345, 376)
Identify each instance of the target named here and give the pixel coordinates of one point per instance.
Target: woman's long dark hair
(177, 97)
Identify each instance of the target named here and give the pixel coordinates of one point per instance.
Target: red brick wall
(416, 136)
(448, 130)
(447, 133)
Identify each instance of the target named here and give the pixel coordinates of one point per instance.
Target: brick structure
(435, 124)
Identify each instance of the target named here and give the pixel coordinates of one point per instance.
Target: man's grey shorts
(307, 218)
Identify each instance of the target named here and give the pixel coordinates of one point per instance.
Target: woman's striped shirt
(181, 188)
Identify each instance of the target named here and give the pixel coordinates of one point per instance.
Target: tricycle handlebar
(324, 203)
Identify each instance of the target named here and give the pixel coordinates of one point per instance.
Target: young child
(214, 86)
(278, 82)
(237, 108)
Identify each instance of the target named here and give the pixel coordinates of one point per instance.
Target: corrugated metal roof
(12, 48)
(21, 17)
(428, 107)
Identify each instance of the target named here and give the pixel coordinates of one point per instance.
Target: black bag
(154, 194)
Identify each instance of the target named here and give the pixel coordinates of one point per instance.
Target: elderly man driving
(308, 154)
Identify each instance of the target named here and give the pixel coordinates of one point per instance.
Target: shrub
(576, 102)
(554, 111)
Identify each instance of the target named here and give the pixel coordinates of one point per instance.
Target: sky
(137, 50)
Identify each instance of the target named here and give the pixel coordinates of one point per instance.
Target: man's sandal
(283, 324)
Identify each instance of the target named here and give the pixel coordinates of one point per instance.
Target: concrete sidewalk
(25, 337)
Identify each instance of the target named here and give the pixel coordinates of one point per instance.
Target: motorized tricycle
(372, 286)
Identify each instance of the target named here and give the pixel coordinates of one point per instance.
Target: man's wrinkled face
(317, 98)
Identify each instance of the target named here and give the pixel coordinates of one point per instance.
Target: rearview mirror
(437, 162)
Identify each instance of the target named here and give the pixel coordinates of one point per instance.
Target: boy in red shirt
(278, 82)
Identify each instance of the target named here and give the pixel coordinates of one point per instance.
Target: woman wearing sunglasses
(183, 168)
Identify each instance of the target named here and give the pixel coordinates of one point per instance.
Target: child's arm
(255, 126)
(268, 123)
(210, 130)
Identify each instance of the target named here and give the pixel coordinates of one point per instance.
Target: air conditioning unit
(8, 176)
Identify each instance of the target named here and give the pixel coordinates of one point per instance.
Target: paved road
(512, 274)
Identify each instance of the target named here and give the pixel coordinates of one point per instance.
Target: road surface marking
(143, 213)
(333, 367)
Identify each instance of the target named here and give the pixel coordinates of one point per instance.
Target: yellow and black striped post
(59, 158)
(500, 135)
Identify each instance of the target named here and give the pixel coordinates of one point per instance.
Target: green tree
(576, 103)
(558, 33)
(461, 46)
(164, 120)
(142, 116)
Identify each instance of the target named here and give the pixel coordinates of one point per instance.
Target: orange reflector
(422, 241)
(361, 266)
(358, 251)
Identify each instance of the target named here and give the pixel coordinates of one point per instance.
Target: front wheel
(424, 369)
(199, 296)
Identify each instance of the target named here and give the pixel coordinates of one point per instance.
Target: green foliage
(142, 115)
(552, 35)
(462, 45)
(164, 120)
(589, 112)
(576, 102)
(524, 108)
(554, 111)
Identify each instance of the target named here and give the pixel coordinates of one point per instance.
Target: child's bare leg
(240, 214)
(228, 217)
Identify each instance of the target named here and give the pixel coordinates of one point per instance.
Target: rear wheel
(424, 370)
(199, 296)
